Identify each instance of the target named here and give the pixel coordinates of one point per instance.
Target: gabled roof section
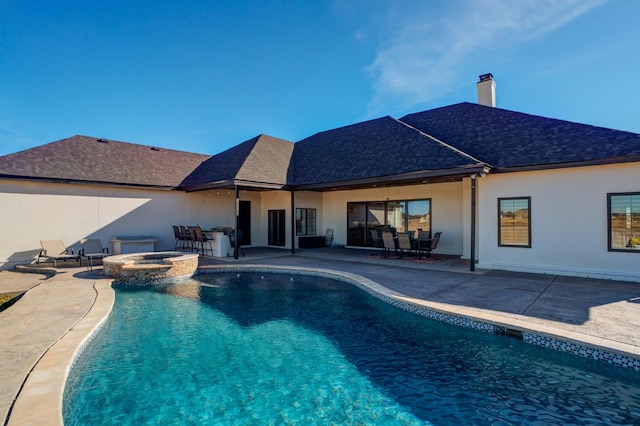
(375, 149)
(260, 162)
(512, 140)
(92, 160)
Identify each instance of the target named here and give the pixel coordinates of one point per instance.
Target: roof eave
(553, 166)
(231, 183)
(412, 178)
(86, 182)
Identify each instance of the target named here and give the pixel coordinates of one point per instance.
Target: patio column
(472, 257)
(237, 239)
(293, 223)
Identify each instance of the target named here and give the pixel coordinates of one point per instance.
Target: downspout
(472, 257)
(293, 223)
(236, 248)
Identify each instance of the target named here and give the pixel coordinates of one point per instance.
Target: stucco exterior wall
(446, 210)
(568, 221)
(33, 211)
(216, 208)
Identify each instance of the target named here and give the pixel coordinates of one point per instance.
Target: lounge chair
(92, 249)
(56, 250)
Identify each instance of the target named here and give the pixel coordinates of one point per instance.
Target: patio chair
(202, 239)
(377, 241)
(404, 243)
(328, 237)
(232, 240)
(56, 250)
(92, 249)
(179, 238)
(429, 245)
(187, 242)
(422, 238)
(389, 243)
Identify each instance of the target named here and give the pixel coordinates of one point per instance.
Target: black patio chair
(429, 245)
(179, 238)
(377, 241)
(187, 243)
(232, 240)
(201, 238)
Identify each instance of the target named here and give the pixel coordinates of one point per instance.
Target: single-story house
(507, 190)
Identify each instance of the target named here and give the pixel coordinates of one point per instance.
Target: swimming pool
(276, 348)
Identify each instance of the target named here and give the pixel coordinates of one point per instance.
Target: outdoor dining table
(419, 243)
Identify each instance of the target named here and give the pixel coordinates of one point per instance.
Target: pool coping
(40, 399)
(41, 396)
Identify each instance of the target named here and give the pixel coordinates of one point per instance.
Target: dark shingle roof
(507, 139)
(449, 141)
(263, 159)
(376, 148)
(83, 158)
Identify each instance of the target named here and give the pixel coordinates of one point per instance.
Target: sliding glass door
(377, 216)
(419, 215)
(362, 218)
(397, 215)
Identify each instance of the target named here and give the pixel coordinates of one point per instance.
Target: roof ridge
(444, 144)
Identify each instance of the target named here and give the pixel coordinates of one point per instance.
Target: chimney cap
(486, 77)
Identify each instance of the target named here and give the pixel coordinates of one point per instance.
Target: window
(624, 221)
(305, 221)
(514, 222)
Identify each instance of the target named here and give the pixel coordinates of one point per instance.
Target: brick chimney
(486, 90)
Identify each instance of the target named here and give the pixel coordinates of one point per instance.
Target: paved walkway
(51, 306)
(597, 312)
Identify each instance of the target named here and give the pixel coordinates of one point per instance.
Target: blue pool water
(280, 349)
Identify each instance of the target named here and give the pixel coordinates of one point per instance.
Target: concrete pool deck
(597, 313)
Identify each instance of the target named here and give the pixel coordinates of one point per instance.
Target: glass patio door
(362, 218)
(277, 230)
(399, 216)
(419, 215)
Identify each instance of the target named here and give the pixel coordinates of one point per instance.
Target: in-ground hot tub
(151, 265)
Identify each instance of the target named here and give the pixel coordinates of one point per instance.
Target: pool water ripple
(270, 349)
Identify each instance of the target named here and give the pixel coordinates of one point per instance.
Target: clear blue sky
(203, 76)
